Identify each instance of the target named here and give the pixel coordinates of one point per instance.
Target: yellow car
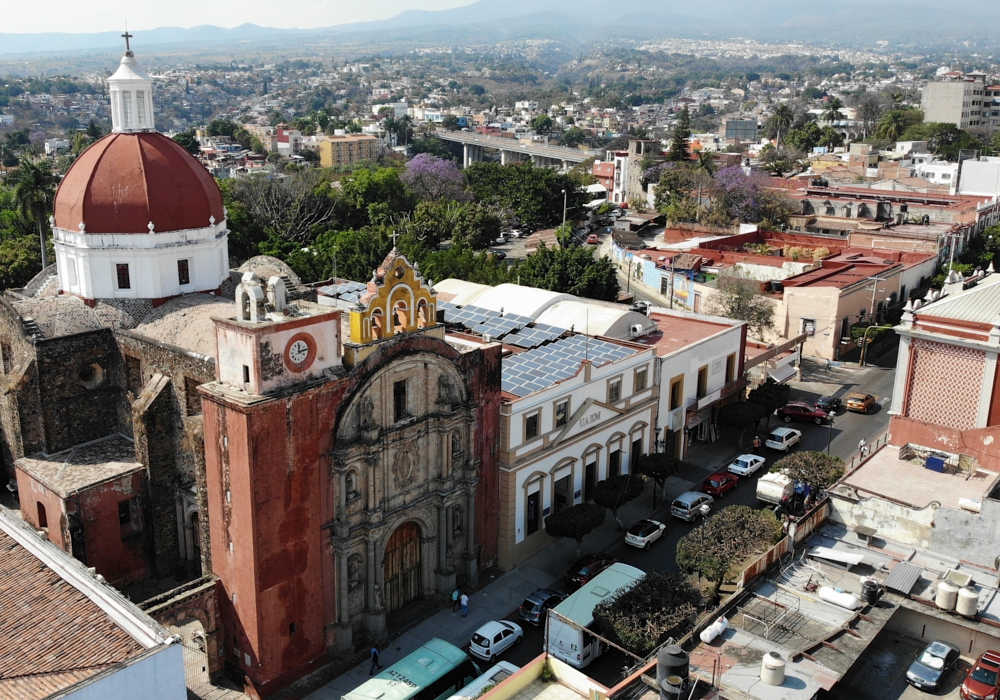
(861, 403)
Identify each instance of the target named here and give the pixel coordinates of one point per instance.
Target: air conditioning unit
(635, 330)
(488, 338)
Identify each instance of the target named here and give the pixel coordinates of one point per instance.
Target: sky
(83, 16)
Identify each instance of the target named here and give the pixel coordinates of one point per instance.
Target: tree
(575, 522)
(830, 138)
(741, 299)
(449, 122)
(817, 469)
(943, 139)
(222, 127)
(806, 138)
(94, 132)
(573, 137)
(781, 120)
(833, 108)
(429, 177)
(532, 195)
(870, 109)
(572, 271)
(616, 491)
(35, 192)
(470, 224)
(742, 415)
(643, 615)
(188, 141)
(542, 124)
(770, 396)
(716, 547)
(432, 145)
(365, 188)
(680, 141)
(659, 467)
(737, 196)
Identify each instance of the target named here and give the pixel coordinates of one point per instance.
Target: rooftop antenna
(126, 36)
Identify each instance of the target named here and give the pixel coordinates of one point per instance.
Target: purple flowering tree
(432, 178)
(737, 195)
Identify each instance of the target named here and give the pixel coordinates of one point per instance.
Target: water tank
(968, 601)
(947, 595)
(844, 600)
(869, 591)
(772, 669)
(671, 660)
(671, 688)
(709, 634)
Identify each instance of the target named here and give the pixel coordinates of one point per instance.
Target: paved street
(501, 597)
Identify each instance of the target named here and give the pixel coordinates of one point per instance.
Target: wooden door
(401, 567)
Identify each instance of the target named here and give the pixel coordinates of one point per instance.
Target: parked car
(860, 403)
(494, 638)
(586, 568)
(499, 254)
(717, 484)
(797, 410)
(829, 403)
(536, 606)
(513, 233)
(782, 439)
(934, 661)
(644, 533)
(502, 240)
(745, 465)
(691, 504)
(983, 680)
(592, 239)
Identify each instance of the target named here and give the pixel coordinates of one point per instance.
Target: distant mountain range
(845, 23)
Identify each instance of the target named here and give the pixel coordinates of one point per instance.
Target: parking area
(880, 673)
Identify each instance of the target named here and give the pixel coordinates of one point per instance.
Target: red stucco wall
(983, 444)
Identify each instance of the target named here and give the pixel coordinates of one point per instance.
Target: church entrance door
(401, 567)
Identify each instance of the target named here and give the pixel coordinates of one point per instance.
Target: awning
(782, 374)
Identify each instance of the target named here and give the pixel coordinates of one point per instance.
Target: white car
(494, 638)
(782, 439)
(745, 465)
(645, 533)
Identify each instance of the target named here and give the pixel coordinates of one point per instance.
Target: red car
(796, 410)
(592, 239)
(983, 680)
(717, 484)
(587, 567)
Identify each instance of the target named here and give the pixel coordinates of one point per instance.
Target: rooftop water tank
(968, 602)
(947, 595)
(772, 669)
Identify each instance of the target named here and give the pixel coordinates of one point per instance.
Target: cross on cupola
(128, 49)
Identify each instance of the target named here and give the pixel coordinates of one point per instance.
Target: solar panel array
(468, 316)
(539, 368)
(511, 328)
(533, 337)
(347, 290)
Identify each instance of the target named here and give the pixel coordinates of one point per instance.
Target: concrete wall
(929, 624)
(895, 521)
(970, 536)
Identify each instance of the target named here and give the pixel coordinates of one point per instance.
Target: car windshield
(931, 661)
(984, 675)
(715, 483)
(680, 505)
(480, 640)
(583, 571)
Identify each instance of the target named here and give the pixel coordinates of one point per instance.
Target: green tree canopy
(222, 127)
(659, 467)
(542, 124)
(943, 139)
(572, 271)
(643, 615)
(817, 469)
(364, 188)
(741, 299)
(35, 192)
(725, 540)
(532, 195)
(188, 141)
(770, 395)
(575, 522)
(680, 141)
(616, 491)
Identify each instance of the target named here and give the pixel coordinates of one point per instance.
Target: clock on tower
(300, 351)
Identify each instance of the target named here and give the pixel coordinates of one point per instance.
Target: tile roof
(58, 316)
(60, 636)
(91, 463)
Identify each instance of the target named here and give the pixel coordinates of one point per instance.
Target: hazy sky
(24, 16)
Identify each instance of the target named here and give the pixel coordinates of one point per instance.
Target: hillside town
(664, 370)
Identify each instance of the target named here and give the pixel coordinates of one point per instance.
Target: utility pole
(564, 208)
(875, 280)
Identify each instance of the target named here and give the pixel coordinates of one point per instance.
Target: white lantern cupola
(131, 96)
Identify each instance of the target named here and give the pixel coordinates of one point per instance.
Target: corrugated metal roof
(980, 304)
(903, 577)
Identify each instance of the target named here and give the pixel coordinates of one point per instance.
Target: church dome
(125, 181)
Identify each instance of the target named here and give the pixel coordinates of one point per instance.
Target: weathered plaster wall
(894, 521)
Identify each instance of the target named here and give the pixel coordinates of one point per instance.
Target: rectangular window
(731, 368)
(126, 109)
(640, 380)
(246, 374)
(124, 281)
(399, 400)
(140, 107)
(636, 451)
(615, 390)
(702, 382)
(71, 271)
(129, 519)
(562, 413)
(533, 509)
(809, 326)
(531, 427)
(133, 374)
(183, 272)
(676, 393)
(614, 463)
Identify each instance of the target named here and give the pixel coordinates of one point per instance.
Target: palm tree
(832, 112)
(891, 126)
(781, 119)
(35, 193)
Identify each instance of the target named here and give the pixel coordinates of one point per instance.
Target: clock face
(300, 352)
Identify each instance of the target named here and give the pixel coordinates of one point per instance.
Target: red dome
(124, 181)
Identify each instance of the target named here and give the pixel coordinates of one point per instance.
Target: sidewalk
(497, 599)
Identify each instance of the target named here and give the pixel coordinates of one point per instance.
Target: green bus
(433, 672)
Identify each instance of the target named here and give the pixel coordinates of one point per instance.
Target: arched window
(422, 316)
(378, 324)
(400, 317)
(533, 495)
(43, 518)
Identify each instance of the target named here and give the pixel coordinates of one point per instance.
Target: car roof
(490, 628)
(783, 431)
(858, 395)
(689, 496)
(939, 646)
(798, 403)
(990, 657)
(720, 475)
(827, 398)
(748, 456)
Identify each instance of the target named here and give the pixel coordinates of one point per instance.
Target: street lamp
(864, 342)
(564, 209)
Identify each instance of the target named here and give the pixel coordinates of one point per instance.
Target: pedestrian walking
(863, 447)
(464, 600)
(375, 663)
(455, 595)
(756, 442)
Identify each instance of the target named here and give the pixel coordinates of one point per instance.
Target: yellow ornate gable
(396, 301)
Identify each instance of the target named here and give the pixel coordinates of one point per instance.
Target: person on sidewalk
(375, 663)
(863, 448)
(464, 600)
(756, 442)
(455, 596)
